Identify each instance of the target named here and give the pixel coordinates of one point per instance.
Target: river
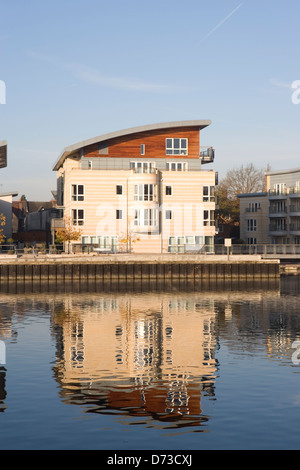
(173, 366)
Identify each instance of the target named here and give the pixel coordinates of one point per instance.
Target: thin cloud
(223, 21)
(93, 76)
(279, 84)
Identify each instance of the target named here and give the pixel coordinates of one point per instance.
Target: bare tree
(244, 180)
(241, 180)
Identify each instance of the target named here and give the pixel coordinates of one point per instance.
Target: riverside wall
(135, 267)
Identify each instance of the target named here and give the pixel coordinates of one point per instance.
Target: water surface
(172, 366)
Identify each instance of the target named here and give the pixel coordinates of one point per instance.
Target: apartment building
(284, 206)
(254, 218)
(142, 189)
(273, 216)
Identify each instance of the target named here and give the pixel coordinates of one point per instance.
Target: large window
(77, 216)
(144, 192)
(145, 217)
(142, 167)
(177, 166)
(176, 146)
(208, 193)
(251, 225)
(77, 192)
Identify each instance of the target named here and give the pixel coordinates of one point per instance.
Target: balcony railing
(278, 193)
(277, 210)
(207, 154)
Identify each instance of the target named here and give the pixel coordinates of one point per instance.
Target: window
(119, 214)
(208, 193)
(253, 206)
(208, 218)
(251, 225)
(77, 216)
(145, 217)
(176, 146)
(168, 190)
(142, 149)
(77, 192)
(169, 215)
(144, 192)
(280, 188)
(142, 167)
(119, 189)
(177, 166)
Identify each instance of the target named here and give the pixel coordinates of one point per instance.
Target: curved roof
(199, 124)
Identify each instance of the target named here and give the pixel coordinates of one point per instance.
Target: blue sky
(77, 69)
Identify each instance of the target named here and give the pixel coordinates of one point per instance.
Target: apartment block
(274, 216)
(284, 206)
(254, 218)
(142, 189)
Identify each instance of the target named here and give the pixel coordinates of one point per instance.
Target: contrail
(223, 21)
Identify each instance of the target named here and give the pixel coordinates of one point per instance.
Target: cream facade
(254, 218)
(273, 217)
(142, 190)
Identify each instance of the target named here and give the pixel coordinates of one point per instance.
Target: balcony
(294, 192)
(276, 194)
(295, 210)
(207, 155)
(276, 211)
(278, 230)
(295, 228)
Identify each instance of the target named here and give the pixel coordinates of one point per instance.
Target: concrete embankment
(129, 266)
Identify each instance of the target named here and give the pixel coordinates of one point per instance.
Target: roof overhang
(198, 124)
(11, 193)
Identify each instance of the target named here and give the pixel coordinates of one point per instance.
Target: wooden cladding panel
(155, 145)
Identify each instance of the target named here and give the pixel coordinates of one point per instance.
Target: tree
(244, 180)
(2, 223)
(127, 241)
(240, 180)
(67, 234)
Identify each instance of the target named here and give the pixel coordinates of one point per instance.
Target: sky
(76, 69)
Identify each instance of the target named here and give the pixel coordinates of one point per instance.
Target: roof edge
(201, 124)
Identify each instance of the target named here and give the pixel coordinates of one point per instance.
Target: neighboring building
(274, 216)
(254, 218)
(6, 210)
(32, 220)
(144, 182)
(6, 197)
(284, 210)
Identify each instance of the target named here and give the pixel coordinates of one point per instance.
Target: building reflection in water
(150, 356)
(144, 355)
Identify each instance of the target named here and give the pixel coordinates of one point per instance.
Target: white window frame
(251, 225)
(142, 167)
(75, 196)
(76, 221)
(145, 217)
(143, 149)
(169, 214)
(171, 190)
(180, 150)
(145, 192)
(119, 186)
(119, 214)
(177, 166)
